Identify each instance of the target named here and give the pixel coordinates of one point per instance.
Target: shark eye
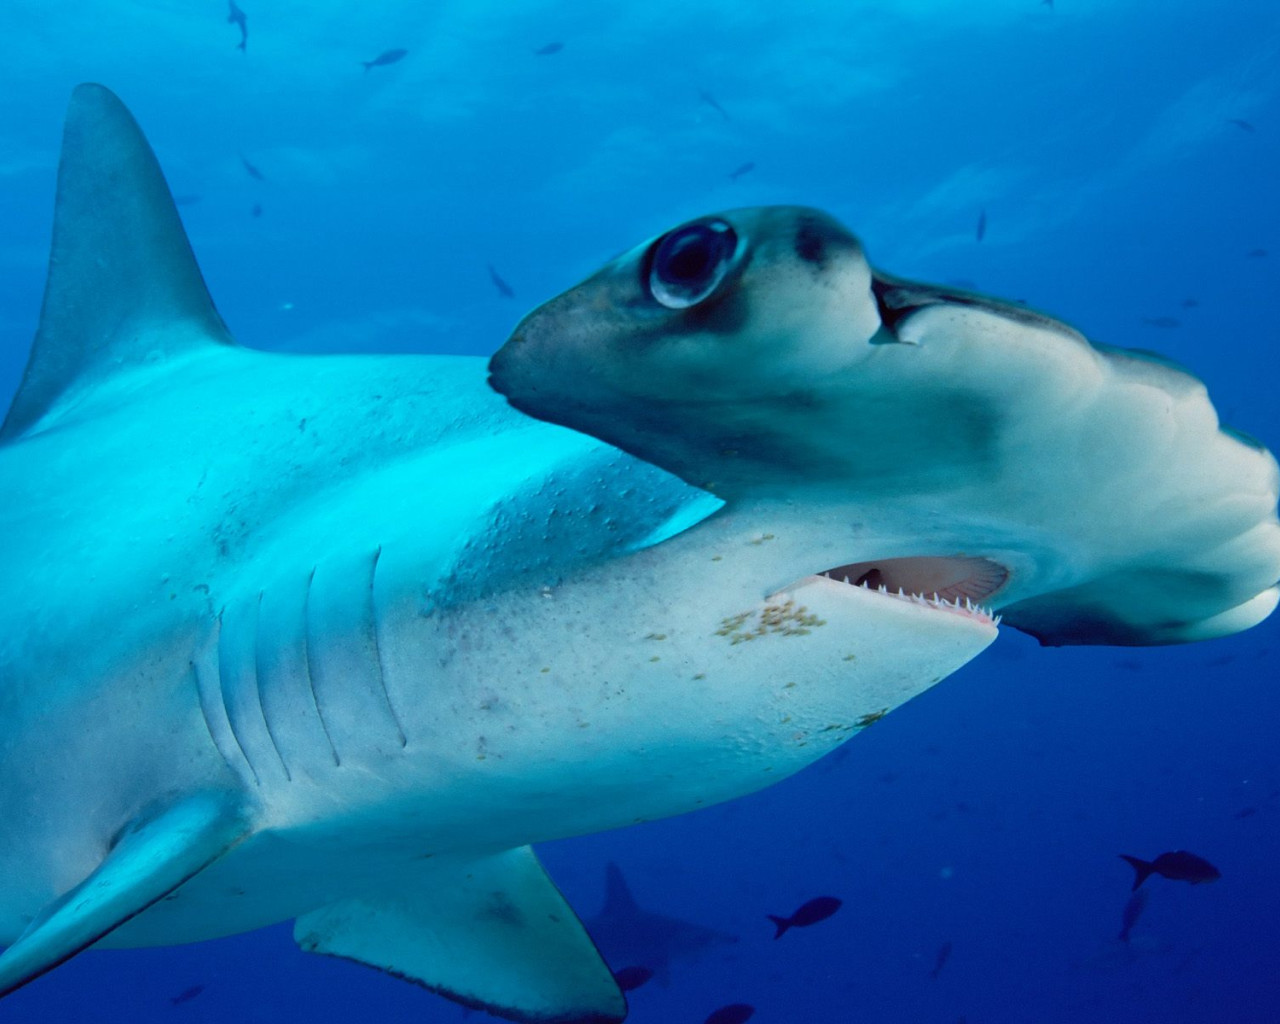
(689, 263)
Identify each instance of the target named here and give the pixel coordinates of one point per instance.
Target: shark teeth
(962, 605)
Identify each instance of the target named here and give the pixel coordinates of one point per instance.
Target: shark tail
(781, 923)
(1142, 869)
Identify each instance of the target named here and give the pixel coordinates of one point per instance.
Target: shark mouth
(957, 584)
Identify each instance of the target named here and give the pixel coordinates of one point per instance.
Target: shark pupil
(689, 263)
(689, 259)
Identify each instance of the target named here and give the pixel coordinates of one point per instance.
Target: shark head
(946, 443)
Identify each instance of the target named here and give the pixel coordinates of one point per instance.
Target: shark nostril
(809, 243)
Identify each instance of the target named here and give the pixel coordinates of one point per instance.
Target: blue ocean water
(1122, 157)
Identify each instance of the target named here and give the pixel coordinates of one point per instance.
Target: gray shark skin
(335, 638)
(630, 936)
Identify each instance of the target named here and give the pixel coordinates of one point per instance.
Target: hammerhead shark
(335, 638)
(630, 935)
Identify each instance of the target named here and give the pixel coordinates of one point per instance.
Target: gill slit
(207, 714)
(308, 655)
(258, 675)
(377, 646)
(227, 706)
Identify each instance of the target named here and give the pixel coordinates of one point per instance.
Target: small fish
(738, 172)
(1190, 303)
(1256, 254)
(944, 954)
(980, 232)
(817, 909)
(186, 995)
(1178, 866)
(734, 1013)
(631, 978)
(1132, 911)
(1243, 125)
(384, 58)
(548, 50)
(189, 199)
(252, 171)
(236, 17)
(1246, 812)
(710, 101)
(1161, 321)
(257, 210)
(504, 289)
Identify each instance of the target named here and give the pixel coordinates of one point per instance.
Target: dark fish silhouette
(1243, 125)
(1246, 812)
(980, 232)
(710, 101)
(252, 171)
(738, 172)
(628, 934)
(189, 199)
(631, 978)
(504, 289)
(1160, 321)
(186, 995)
(818, 909)
(236, 17)
(1190, 303)
(1179, 866)
(384, 58)
(944, 954)
(734, 1013)
(1132, 911)
(1256, 254)
(549, 49)
(257, 210)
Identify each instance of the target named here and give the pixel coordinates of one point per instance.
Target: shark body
(335, 638)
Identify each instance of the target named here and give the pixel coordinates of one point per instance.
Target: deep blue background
(1095, 134)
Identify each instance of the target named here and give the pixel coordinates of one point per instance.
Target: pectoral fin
(151, 857)
(492, 933)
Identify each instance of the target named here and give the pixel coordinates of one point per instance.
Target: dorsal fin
(123, 285)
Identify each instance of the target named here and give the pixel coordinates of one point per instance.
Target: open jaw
(959, 584)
